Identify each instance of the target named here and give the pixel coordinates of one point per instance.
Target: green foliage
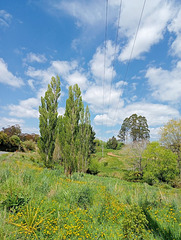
(29, 145)
(112, 143)
(12, 130)
(134, 127)
(85, 206)
(4, 141)
(161, 165)
(85, 198)
(171, 138)
(14, 201)
(134, 223)
(93, 167)
(132, 176)
(76, 137)
(48, 121)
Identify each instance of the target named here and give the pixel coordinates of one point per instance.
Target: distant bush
(14, 143)
(29, 145)
(132, 176)
(93, 167)
(112, 143)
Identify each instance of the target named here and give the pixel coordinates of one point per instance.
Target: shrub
(161, 164)
(112, 143)
(132, 176)
(14, 201)
(93, 167)
(29, 145)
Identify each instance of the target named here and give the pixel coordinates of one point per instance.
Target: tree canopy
(48, 120)
(134, 128)
(171, 138)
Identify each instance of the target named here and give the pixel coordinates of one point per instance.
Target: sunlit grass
(83, 207)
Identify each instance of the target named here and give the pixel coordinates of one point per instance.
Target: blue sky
(135, 72)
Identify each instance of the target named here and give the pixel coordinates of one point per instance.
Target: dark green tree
(48, 121)
(135, 128)
(112, 143)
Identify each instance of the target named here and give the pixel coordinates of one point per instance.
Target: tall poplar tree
(70, 128)
(48, 121)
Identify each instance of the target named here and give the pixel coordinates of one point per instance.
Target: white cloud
(165, 84)
(155, 17)
(6, 77)
(156, 114)
(5, 18)
(35, 57)
(100, 100)
(85, 12)
(68, 71)
(77, 78)
(5, 122)
(26, 108)
(31, 84)
(175, 27)
(103, 70)
(61, 111)
(154, 133)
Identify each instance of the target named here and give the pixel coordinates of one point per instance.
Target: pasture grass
(40, 203)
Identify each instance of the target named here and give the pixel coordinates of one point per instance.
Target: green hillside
(41, 203)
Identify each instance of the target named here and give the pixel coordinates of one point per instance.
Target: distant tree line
(68, 139)
(12, 139)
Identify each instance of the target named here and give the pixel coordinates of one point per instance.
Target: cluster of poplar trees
(71, 133)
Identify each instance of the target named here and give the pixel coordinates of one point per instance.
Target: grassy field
(40, 203)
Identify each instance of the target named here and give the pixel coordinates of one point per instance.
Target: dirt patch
(113, 155)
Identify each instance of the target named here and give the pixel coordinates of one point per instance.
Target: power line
(134, 40)
(116, 43)
(136, 34)
(105, 46)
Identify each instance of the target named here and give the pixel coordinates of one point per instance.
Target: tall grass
(40, 203)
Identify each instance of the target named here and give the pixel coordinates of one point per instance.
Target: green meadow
(41, 203)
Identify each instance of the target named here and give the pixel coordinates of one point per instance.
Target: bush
(112, 143)
(14, 201)
(29, 145)
(93, 167)
(161, 164)
(132, 176)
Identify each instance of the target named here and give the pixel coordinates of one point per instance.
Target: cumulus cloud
(175, 27)
(68, 71)
(5, 122)
(5, 18)
(165, 84)
(101, 67)
(100, 99)
(35, 57)
(156, 114)
(6, 77)
(85, 12)
(26, 108)
(31, 84)
(155, 17)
